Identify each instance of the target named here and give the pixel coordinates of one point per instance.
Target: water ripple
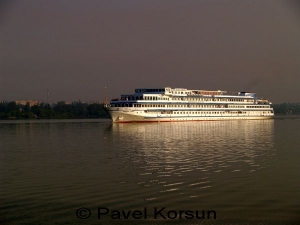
(48, 170)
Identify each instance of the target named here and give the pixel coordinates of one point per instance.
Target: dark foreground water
(241, 172)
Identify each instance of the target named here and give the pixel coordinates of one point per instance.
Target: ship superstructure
(180, 104)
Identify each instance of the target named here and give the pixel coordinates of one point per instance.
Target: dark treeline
(287, 108)
(60, 110)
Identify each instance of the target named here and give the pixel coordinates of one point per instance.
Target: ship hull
(124, 116)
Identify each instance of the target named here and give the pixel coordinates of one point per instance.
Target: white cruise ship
(180, 104)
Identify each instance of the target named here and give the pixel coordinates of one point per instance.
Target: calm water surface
(245, 171)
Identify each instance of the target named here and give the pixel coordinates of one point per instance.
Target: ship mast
(105, 96)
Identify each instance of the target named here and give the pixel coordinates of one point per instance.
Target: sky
(76, 48)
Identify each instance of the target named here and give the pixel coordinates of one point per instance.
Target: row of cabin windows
(184, 106)
(128, 98)
(154, 98)
(180, 92)
(236, 106)
(213, 99)
(203, 112)
(169, 106)
(173, 92)
(159, 90)
(258, 106)
(132, 98)
(217, 112)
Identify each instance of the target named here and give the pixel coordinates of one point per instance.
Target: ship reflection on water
(186, 157)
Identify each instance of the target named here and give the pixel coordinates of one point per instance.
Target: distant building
(95, 102)
(30, 102)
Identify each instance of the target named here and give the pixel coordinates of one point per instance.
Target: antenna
(105, 94)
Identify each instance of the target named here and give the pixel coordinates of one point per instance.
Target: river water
(96, 172)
